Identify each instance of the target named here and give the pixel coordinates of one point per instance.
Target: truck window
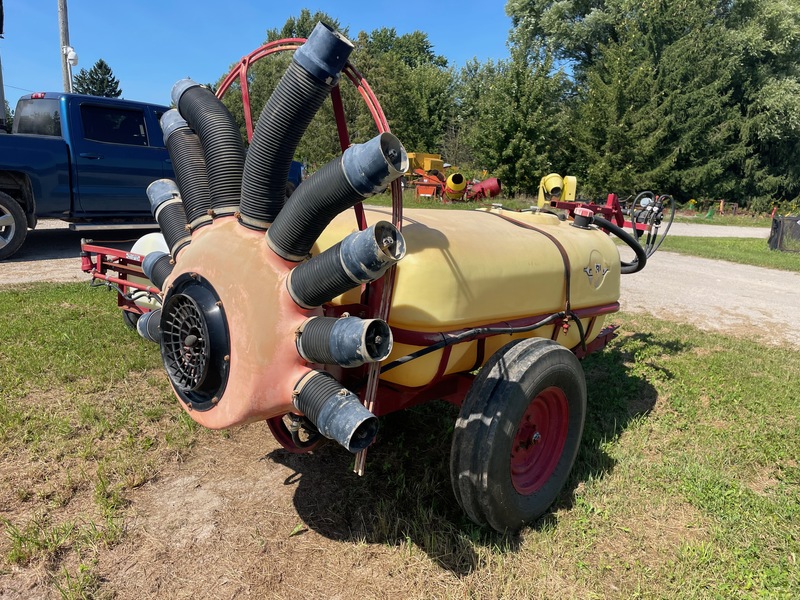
(114, 125)
(38, 116)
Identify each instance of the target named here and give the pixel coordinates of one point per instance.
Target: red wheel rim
(281, 433)
(539, 441)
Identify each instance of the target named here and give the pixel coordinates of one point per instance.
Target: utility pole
(63, 27)
(3, 115)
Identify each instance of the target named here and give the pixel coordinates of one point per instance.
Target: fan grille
(187, 349)
(195, 343)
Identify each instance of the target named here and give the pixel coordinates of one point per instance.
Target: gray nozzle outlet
(336, 412)
(180, 87)
(148, 326)
(172, 121)
(366, 255)
(370, 167)
(324, 54)
(357, 341)
(161, 191)
(346, 341)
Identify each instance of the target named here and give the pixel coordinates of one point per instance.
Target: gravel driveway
(52, 253)
(714, 295)
(717, 296)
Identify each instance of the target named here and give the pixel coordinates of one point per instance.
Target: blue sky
(151, 44)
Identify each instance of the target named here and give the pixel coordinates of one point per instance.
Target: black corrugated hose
(318, 281)
(189, 165)
(223, 149)
(285, 118)
(313, 205)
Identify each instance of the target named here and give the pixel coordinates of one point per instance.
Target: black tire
(13, 226)
(502, 474)
(130, 319)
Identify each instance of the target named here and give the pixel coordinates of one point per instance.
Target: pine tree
(9, 117)
(97, 81)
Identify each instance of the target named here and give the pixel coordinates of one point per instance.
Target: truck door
(114, 159)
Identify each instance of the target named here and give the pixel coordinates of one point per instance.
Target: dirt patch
(225, 524)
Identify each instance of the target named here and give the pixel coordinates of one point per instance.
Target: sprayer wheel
(279, 426)
(130, 319)
(518, 433)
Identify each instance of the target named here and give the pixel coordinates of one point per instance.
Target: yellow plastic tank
(465, 269)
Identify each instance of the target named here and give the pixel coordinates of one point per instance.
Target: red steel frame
(611, 211)
(125, 263)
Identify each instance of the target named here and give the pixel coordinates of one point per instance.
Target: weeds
(37, 539)
(86, 416)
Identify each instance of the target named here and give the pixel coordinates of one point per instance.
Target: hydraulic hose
(471, 334)
(189, 165)
(655, 245)
(221, 140)
(311, 75)
(641, 256)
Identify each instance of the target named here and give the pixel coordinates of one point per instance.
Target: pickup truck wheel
(518, 433)
(13, 226)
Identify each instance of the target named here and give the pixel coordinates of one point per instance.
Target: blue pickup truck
(84, 159)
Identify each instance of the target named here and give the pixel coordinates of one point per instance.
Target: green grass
(745, 251)
(86, 416)
(740, 220)
(687, 483)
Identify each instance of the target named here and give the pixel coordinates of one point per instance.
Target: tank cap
(583, 217)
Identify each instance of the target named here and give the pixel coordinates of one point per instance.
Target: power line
(17, 88)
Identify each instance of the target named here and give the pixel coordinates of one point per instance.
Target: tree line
(695, 98)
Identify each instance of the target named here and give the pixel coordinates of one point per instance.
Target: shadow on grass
(618, 392)
(405, 499)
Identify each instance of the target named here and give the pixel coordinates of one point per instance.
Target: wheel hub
(7, 227)
(539, 440)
